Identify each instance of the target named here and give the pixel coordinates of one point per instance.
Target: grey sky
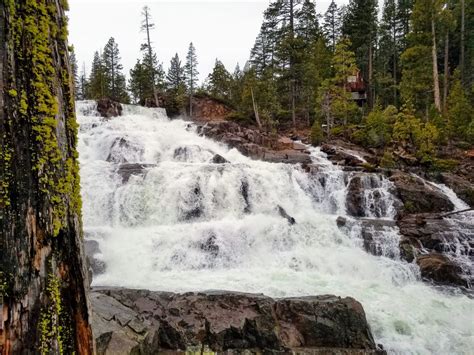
(221, 29)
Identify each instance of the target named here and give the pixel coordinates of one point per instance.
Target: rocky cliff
(43, 282)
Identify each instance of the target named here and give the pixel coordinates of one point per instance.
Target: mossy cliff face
(43, 280)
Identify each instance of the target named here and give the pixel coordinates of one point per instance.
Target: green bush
(387, 161)
(444, 164)
(317, 134)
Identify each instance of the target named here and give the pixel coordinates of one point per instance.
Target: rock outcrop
(109, 108)
(134, 321)
(418, 196)
(439, 268)
(436, 242)
(209, 109)
(255, 144)
(463, 188)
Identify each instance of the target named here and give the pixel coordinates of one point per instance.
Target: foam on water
(185, 224)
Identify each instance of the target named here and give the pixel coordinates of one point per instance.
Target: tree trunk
(446, 71)
(255, 110)
(191, 89)
(395, 56)
(436, 92)
(43, 281)
(292, 65)
(461, 55)
(150, 54)
(371, 73)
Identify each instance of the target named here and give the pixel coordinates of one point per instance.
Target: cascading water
(167, 218)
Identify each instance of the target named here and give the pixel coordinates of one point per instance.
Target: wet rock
(109, 108)
(440, 269)
(347, 154)
(462, 187)
(92, 252)
(210, 246)
(244, 190)
(418, 196)
(376, 234)
(379, 239)
(285, 215)
(341, 221)
(123, 150)
(355, 197)
(193, 207)
(287, 157)
(448, 237)
(256, 144)
(228, 322)
(219, 159)
(128, 170)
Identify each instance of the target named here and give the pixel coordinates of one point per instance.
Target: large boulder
(448, 242)
(418, 196)
(439, 268)
(145, 322)
(126, 171)
(109, 108)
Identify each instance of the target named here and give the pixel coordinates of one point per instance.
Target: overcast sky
(221, 29)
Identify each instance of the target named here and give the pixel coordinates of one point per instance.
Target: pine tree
(149, 58)
(388, 54)
(332, 25)
(191, 74)
(75, 75)
(307, 24)
(139, 83)
(360, 26)
(96, 85)
(220, 82)
(175, 77)
(83, 84)
(459, 112)
(420, 82)
(335, 101)
(115, 84)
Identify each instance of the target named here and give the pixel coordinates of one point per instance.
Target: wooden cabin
(356, 85)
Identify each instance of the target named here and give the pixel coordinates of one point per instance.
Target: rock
(244, 190)
(347, 154)
(440, 269)
(123, 150)
(206, 108)
(128, 170)
(192, 208)
(462, 187)
(341, 221)
(228, 322)
(256, 144)
(355, 197)
(447, 237)
(377, 235)
(108, 108)
(92, 252)
(219, 159)
(287, 157)
(418, 196)
(285, 215)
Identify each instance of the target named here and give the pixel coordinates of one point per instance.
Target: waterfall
(166, 217)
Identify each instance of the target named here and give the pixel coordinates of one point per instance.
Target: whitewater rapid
(187, 224)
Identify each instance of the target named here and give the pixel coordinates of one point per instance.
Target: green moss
(36, 30)
(50, 327)
(12, 93)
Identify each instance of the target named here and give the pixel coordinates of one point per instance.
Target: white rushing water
(186, 224)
